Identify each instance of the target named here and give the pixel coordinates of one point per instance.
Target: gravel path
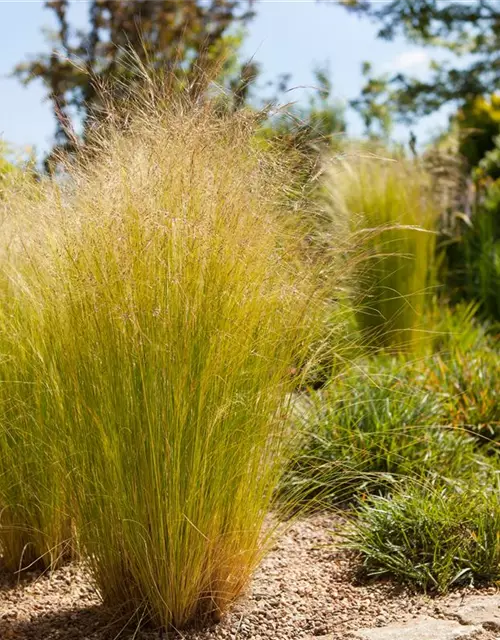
(305, 588)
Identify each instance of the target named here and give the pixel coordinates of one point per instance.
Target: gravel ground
(305, 588)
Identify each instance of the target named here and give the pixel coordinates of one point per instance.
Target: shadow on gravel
(9, 580)
(90, 623)
(357, 576)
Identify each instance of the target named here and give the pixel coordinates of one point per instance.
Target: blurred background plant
(388, 202)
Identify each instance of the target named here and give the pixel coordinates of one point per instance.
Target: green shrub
(471, 249)
(432, 539)
(463, 372)
(468, 383)
(482, 252)
(389, 203)
(479, 124)
(151, 318)
(371, 427)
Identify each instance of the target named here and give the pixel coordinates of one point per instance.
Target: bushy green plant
(469, 384)
(471, 251)
(154, 307)
(389, 203)
(431, 538)
(482, 250)
(479, 124)
(463, 372)
(371, 427)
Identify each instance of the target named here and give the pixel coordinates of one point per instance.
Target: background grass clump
(432, 539)
(155, 305)
(463, 371)
(390, 203)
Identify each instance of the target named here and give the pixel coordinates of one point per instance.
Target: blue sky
(286, 36)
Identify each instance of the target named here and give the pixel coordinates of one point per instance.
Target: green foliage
(389, 203)
(457, 329)
(488, 171)
(482, 247)
(479, 125)
(384, 418)
(430, 538)
(149, 323)
(373, 426)
(463, 28)
(479, 243)
(471, 252)
(466, 183)
(372, 105)
(468, 383)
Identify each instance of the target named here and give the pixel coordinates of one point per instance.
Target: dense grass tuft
(154, 309)
(432, 539)
(375, 424)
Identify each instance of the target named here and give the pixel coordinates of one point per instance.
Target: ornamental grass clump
(36, 523)
(389, 203)
(156, 313)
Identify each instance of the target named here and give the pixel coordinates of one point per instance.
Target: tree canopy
(167, 34)
(469, 30)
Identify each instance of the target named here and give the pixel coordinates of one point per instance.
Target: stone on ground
(421, 629)
(484, 610)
